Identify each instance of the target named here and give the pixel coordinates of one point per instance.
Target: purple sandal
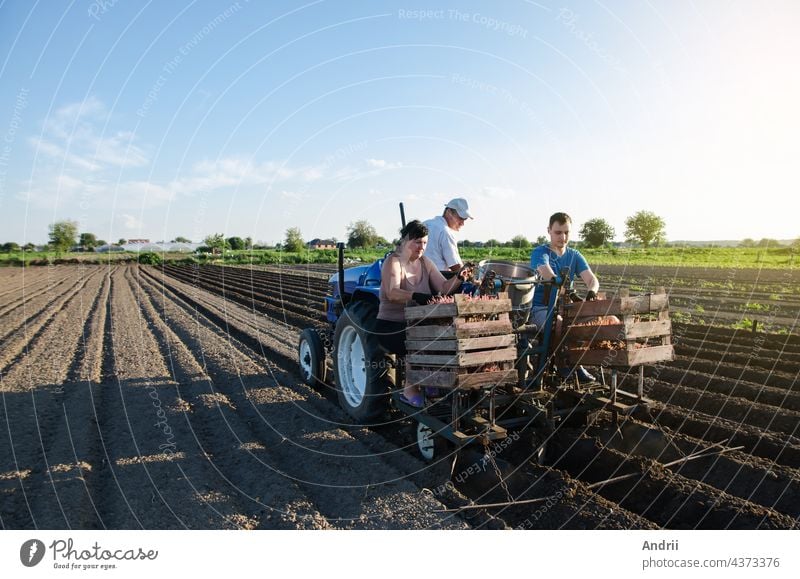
(416, 401)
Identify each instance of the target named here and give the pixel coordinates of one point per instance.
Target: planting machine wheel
(431, 447)
(311, 355)
(360, 365)
(539, 446)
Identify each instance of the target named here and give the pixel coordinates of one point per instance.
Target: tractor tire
(311, 357)
(361, 367)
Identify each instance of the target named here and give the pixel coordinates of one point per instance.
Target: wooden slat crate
(644, 335)
(447, 347)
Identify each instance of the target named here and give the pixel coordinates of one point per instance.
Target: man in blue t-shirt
(549, 260)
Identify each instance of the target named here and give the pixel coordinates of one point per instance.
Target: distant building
(322, 244)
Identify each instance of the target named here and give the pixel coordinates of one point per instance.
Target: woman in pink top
(408, 276)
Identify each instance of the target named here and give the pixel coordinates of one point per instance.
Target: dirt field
(136, 397)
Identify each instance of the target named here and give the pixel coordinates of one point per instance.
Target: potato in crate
(463, 343)
(641, 334)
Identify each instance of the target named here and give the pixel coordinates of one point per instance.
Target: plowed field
(138, 397)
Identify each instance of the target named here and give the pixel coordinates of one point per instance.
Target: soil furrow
(27, 293)
(576, 507)
(32, 309)
(718, 405)
(772, 378)
(154, 475)
(754, 440)
(756, 360)
(55, 472)
(256, 496)
(279, 308)
(26, 335)
(715, 351)
(665, 497)
(357, 489)
(45, 360)
(766, 395)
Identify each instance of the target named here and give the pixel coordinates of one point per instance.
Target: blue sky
(154, 120)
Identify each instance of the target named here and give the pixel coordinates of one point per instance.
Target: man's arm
(541, 263)
(591, 281)
(546, 271)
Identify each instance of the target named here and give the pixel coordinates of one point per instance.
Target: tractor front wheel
(311, 356)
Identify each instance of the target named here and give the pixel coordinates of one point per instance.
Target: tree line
(644, 227)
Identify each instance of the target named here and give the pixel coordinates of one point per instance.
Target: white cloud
(293, 195)
(383, 164)
(496, 193)
(130, 222)
(77, 134)
(82, 161)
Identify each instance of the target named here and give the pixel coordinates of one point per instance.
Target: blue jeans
(539, 316)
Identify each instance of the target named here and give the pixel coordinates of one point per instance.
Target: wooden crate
(447, 347)
(645, 330)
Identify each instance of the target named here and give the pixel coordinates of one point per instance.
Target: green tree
(747, 242)
(216, 242)
(766, 242)
(236, 243)
(63, 235)
(493, 243)
(10, 247)
(180, 239)
(248, 243)
(596, 232)
(541, 240)
(122, 241)
(361, 234)
(150, 258)
(294, 240)
(88, 241)
(29, 247)
(645, 227)
(519, 242)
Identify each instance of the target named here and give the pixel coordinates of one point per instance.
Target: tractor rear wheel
(311, 355)
(360, 365)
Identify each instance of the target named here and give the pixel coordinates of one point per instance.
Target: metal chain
(490, 459)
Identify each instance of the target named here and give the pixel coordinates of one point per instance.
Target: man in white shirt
(442, 249)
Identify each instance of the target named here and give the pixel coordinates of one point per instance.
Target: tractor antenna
(402, 215)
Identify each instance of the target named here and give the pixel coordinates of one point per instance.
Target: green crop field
(722, 257)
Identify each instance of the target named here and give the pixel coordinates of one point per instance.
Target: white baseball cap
(460, 206)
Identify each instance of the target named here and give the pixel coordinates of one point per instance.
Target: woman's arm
(438, 282)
